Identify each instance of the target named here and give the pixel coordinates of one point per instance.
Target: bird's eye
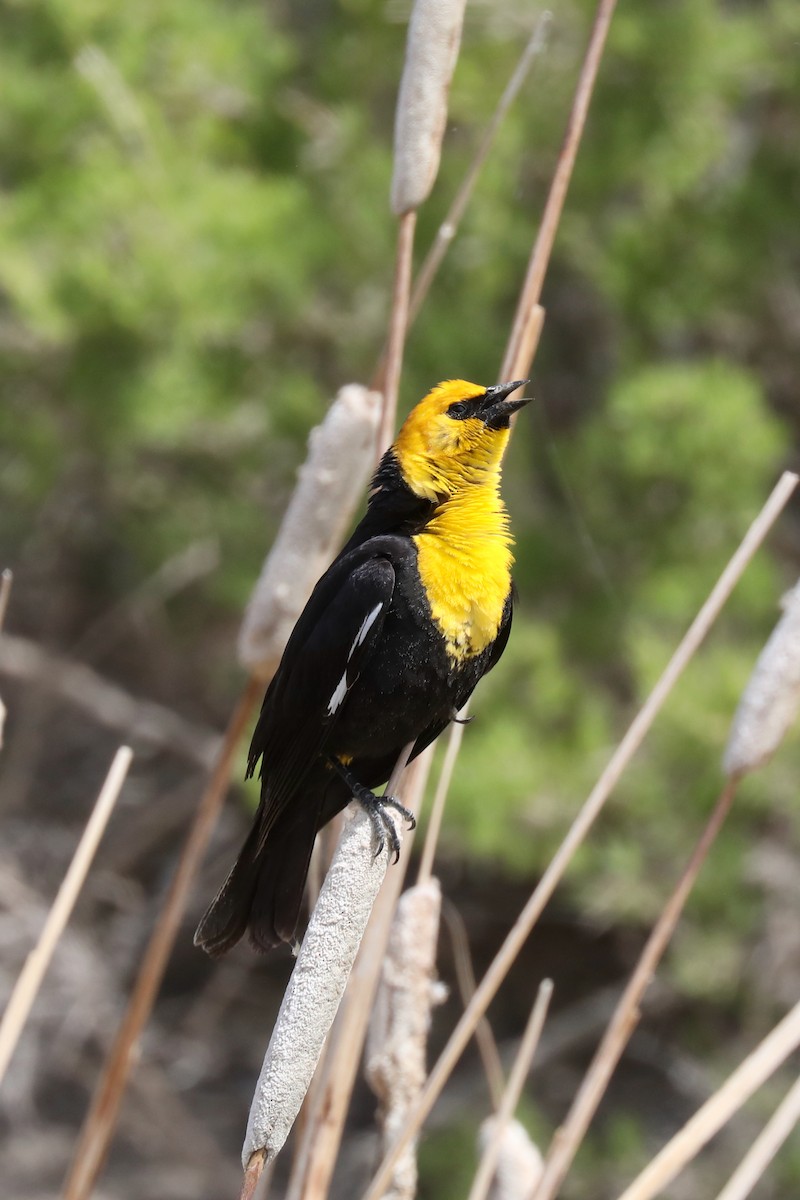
(459, 409)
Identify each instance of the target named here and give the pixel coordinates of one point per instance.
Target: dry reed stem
(30, 978)
(532, 287)
(449, 226)
(516, 1081)
(253, 1175)
(526, 347)
(316, 1157)
(6, 580)
(727, 1100)
(392, 364)
(465, 978)
(98, 1126)
(627, 1012)
(440, 796)
(583, 822)
(765, 1147)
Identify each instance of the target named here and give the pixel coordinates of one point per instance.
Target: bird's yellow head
(456, 437)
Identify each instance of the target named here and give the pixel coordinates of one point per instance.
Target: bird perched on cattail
(393, 640)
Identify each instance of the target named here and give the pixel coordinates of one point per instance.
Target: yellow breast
(464, 561)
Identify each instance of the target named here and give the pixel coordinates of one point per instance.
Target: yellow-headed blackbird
(395, 636)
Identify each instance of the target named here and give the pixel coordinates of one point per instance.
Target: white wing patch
(338, 695)
(341, 688)
(366, 625)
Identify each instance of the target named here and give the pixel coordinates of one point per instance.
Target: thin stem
(525, 349)
(627, 1013)
(439, 799)
(540, 257)
(30, 979)
(253, 1175)
(465, 978)
(518, 935)
(727, 1100)
(6, 580)
(398, 323)
(765, 1147)
(100, 1122)
(516, 1082)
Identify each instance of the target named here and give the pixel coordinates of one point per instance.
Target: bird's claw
(382, 824)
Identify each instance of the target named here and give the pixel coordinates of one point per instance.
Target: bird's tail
(264, 890)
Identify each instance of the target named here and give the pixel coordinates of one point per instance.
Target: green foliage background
(195, 251)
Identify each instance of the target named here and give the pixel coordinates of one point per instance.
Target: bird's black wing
(332, 640)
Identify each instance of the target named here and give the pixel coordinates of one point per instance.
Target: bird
(391, 644)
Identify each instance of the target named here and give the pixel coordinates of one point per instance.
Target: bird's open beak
(496, 409)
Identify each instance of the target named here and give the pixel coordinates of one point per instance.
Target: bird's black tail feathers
(264, 890)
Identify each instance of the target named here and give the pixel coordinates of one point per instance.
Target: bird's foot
(376, 808)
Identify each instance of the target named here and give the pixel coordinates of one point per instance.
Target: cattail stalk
(30, 978)
(6, 580)
(440, 796)
(727, 1100)
(465, 977)
(516, 1081)
(627, 1013)
(531, 293)
(765, 1147)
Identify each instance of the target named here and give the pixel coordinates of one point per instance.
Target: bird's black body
(365, 672)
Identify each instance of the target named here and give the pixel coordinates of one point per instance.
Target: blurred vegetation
(195, 252)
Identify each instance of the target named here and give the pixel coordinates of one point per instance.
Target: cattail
(771, 699)
(434, 37)
(398, 1033)
(316, 986)
(330, 485)
(519, 1162)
